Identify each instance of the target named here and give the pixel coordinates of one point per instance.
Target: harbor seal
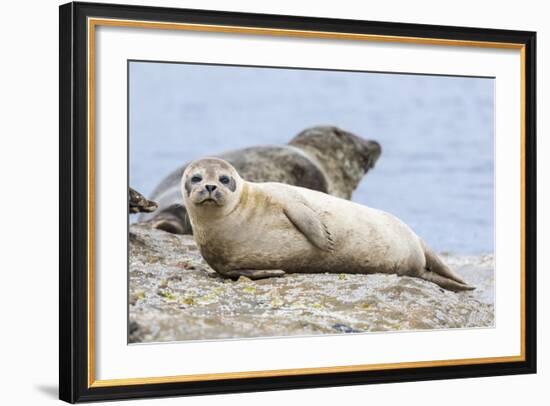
(323, 158)
(268, 229)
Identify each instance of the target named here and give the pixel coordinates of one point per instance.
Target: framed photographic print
(256, 202)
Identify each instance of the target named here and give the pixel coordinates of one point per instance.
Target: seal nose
(210, 188)
(373, 150)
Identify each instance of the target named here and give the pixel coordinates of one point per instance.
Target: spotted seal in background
(323, 158)
(261, 230)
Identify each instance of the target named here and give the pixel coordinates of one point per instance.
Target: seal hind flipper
(434, 264)
(170, 224)
(444, 282)
(173, 219)
(309, 223)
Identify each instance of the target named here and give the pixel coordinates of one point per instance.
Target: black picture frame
(74, 199)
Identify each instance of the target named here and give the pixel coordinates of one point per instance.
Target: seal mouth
(208, 201)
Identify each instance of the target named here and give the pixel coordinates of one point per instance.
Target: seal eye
(196, 179)
(224, 179)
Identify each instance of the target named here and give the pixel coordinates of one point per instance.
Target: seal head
(344, 157)
(211, 184)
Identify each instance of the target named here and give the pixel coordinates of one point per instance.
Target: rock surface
(174, 295)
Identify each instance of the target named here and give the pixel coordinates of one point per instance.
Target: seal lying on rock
(326, 159)
(268, 229)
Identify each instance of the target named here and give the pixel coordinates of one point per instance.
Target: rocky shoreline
(174, 295)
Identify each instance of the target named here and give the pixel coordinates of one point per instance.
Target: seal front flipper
(254, 274)
(310, 224)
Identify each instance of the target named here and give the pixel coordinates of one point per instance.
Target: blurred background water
(436, 169)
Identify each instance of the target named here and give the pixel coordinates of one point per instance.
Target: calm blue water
(436, 169)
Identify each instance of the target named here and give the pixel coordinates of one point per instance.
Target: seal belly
(366, 240)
